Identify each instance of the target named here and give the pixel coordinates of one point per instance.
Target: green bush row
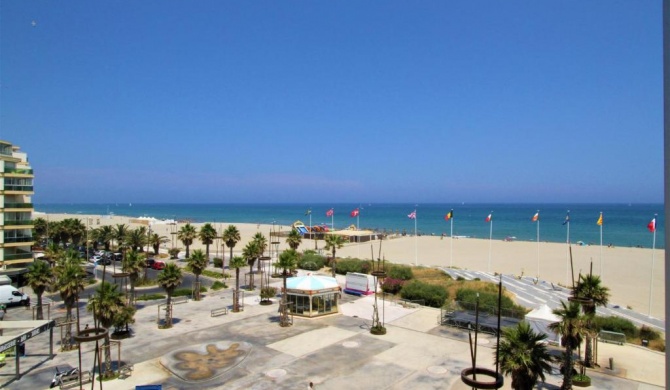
(622, 325)
(433, 296)
(352, 265)
(311, 262)
(488, 301)
(218, 285)
(150, 297)
(402, 272)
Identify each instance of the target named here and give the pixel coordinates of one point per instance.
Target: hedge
(402, 272)
(432, 295)
(352, 265)
(488, 301)
(311, 262)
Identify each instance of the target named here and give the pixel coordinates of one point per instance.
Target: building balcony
(15, 240)
(18, 256)
(18, 206)
(20, 171)
(21, 188)
(24, 224)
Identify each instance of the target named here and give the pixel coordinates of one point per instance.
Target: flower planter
(581, 381)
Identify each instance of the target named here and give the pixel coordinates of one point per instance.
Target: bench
(612, 337)
(178, 300)
(126, 370)
(219, 312)
(72, 381)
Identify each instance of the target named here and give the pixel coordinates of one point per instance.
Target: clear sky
(335, 101)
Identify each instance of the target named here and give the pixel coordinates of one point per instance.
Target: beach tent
(539, 320)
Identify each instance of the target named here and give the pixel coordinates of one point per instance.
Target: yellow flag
(600, 220)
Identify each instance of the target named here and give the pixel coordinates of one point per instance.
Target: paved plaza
(249, 350)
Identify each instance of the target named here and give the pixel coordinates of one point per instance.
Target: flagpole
(490, 240)
(567, 255)
(653, 259)
(601, 246)
(451, 250)
(538, 245)
(332, 220)
(416, 250)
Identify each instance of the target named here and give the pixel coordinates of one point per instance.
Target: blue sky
(339, 101)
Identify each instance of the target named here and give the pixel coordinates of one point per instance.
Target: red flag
(489, 218)
(354, 213)
(330, 213)
(536, 217)
(652, 225)
(412, 215)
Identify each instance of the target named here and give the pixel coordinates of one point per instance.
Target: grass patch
(150, 297)
(218, 285)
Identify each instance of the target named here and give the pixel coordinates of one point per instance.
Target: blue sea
(623, 224)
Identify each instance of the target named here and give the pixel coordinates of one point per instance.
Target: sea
(624, 225)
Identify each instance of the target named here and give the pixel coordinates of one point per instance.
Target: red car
(158, 265)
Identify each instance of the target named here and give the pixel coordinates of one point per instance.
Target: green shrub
(268, 292)
(392, 286)
(401, 272)
(432, 295)
(488, 301)
(308, 252)
(218, 285)
(352, 265)
(150, 297)
(617, 324)
(311, 262)
(647, 333)
(218, 262)
(182, 292)
(214, 274)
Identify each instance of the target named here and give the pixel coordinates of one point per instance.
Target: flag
(412, 215)
(567, 218)
(308, 212)
(489, 218)
(355, 213)
(330, 213)
(536, 217)
(600, 220)
(652, 225)
(449, 215)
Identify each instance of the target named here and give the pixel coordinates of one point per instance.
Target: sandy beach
(626, 271)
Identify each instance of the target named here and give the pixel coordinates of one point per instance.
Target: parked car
(94, 259)
(158, 265)
(150, 263)
(117, 256)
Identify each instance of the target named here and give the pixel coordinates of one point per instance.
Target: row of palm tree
(522, 352)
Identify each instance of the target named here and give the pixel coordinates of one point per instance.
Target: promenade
(333, 352)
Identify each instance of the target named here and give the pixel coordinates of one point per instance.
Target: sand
(626, 271)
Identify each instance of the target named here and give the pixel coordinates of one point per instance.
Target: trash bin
(645, 343)
(22, 349)
(611, 363)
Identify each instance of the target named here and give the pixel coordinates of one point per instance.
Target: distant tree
(40, 277)
(589, 287)
(251, 253)
(294, 239)
(231, 236)
(156, 240)
(197, 263)
(106, 304)
(333, 243)
(186, 235)
(207, 236)
(70, 279)
(237, 262)
(169, 279)
(134, 265)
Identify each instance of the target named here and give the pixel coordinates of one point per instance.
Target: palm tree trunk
(196, 293)
(332, 263)
(567, 375)
(187, 251)
(168, 311)
(207, 252)
(40, 314)
(236, 302)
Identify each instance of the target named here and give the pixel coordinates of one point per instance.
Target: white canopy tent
(539, 320)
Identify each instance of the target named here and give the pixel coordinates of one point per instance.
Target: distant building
(16, 212)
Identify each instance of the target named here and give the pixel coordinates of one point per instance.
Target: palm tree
(53, 253)
(333, 243)
(207, 236)
(250, 253)
(231, 236)
(105, 234)
(169, 279)
(294, 239)
(524, 355)
(40, 230)
(137, 238)
(186, 235)
(262, 247)
(589, 288)
(119, 233)
(571, 328)
(134, 264)
(70, 281)
(39, 277)
(288, 260)
(75, 230)
(237, 262)
(156, 241)
(106, 304)
(197, 262)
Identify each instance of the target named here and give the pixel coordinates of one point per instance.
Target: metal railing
(11, 240)
(19, 222)
(18, 188)
(18, 206)
(23, 171)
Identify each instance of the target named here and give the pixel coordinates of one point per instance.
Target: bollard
(611, 363)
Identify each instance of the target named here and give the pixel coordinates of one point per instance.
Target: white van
(9, 295)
